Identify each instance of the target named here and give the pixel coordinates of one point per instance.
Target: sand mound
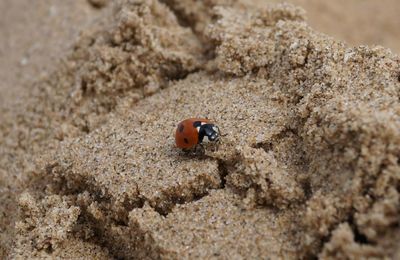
(308, 167)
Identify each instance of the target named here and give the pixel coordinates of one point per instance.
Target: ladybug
(195, 131)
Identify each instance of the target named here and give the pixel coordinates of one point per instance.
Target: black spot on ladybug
(196, 124)
(186, 140)
(180, 128)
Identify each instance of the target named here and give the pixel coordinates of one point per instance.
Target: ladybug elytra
(195, 131)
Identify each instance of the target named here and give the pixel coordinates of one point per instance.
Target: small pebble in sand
(195, 131)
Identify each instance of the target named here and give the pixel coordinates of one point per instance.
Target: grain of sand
(309, 165)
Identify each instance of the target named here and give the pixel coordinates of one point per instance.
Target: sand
(308, 165)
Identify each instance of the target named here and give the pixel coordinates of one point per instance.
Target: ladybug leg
(215, 146)
(219, 141)
(199, 149)
(192, 151)
(186, 151)
(195, 151)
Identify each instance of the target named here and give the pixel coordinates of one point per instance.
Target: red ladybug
(194, 131)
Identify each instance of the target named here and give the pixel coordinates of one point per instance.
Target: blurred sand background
(37, 38)
(44, 32)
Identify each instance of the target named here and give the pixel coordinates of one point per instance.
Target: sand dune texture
(309, 165)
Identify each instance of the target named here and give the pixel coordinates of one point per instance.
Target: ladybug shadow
(197, 153)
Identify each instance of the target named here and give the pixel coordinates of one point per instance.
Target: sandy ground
(91, 93)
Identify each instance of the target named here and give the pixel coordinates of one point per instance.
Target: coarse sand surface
(308, 165)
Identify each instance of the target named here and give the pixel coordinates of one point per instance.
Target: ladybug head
(210, 132)
(214, 134)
